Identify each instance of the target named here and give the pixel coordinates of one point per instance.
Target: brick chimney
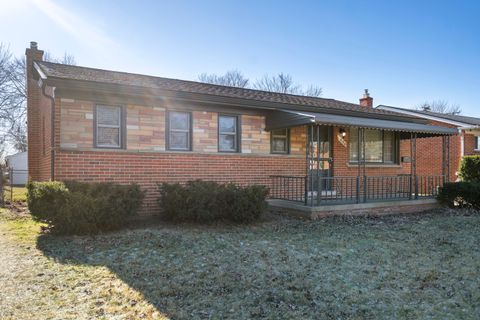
(366, 100)
(34, 94)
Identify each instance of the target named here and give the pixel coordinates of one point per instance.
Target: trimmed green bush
(460, 195)
(83, 208)
(470, 169)
(205, 202)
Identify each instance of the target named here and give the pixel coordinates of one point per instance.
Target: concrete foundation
(357, 209)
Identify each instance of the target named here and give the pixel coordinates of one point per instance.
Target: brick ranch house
(317, 155)
(466, 143)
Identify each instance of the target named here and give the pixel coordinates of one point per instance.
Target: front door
(319, 157)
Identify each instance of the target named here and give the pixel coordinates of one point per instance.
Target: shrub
(204, 202)
(460, 194)
(470, 169)
(83, 208)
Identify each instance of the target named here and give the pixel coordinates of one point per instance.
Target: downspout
(462, 142)
(52, 135)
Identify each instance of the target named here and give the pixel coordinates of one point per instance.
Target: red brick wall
(470, 145)
(148, 169)
(38, 123)
(429, 154)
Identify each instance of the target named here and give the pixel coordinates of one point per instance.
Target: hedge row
(469, 170)
(83, 208)
(460, 195)
(88, 208)
(204, 201)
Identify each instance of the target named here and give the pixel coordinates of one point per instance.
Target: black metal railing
(428, 186)
(332, 190)
(290, 188)
(389, 187)
(359, 189)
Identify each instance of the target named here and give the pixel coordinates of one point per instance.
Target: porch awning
(287, 118)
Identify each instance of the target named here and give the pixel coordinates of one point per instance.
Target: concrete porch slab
(357, 209)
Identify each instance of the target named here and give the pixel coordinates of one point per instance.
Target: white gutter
(462, 125)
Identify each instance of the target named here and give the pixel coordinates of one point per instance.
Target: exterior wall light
(343, 132)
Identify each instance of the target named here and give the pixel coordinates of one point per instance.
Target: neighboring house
(467, 142)
(17, 165)
(98, 125)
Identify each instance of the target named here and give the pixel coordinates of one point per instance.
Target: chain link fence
(9, 180)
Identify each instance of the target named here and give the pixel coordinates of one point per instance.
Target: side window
(280, 141)
(179, 131)
(109, 126)
(228, 136)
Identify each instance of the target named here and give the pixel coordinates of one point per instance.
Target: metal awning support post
(444, 158)
(448, 158)
(359, 141)
(411, 167)
(317, 166)
(414, 164)
(364, 168)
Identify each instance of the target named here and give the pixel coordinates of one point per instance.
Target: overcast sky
(403, 51)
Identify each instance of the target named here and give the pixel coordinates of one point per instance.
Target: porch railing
(317, 191)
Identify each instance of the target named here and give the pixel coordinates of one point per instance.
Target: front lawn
(399, 267)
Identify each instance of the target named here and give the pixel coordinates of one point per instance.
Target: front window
(380, 146)
(280, 141)
(477, 143)
(227, 133)
(108, 126)
(179, 130)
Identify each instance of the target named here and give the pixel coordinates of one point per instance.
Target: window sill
(374, 165)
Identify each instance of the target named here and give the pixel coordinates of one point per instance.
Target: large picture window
(228, 133)
(380, 146)
(108, 126)
(179, 130)
(280, 141)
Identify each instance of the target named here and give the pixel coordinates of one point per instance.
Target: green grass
(398, 267)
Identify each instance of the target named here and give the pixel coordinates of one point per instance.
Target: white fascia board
(461, 125)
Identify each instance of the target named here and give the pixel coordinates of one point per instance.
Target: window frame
(395, 150)
(189, 135)
(122, 128)
(238, 132)
(286, 137)
(477, 143)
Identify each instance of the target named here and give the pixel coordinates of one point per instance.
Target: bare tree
(440, 106)
(13, 96)
(284, 83)
(66, 59)
(232, 78)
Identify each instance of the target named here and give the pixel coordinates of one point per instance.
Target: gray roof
(453, 117)
(62, 71)
(293, 118)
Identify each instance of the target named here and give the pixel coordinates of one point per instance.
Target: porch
(345, 165)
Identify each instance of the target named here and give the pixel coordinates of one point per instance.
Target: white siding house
(19, 163)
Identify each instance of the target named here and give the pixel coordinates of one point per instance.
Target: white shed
(19, 164)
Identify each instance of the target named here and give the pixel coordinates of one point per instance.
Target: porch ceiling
(288, 118)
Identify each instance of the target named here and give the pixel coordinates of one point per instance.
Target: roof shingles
(62, 71)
